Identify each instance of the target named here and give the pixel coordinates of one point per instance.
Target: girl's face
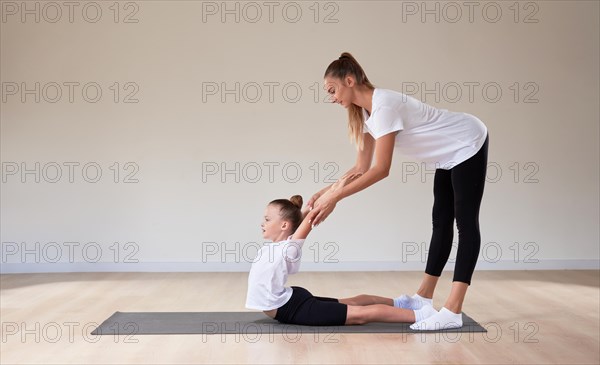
(273, 227)
(340, 91)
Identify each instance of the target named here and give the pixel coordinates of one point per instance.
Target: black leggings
(305, 309)
(457, 194)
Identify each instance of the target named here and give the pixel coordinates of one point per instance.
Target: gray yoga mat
(246, 323)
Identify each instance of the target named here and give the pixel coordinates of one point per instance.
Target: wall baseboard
(18, 268)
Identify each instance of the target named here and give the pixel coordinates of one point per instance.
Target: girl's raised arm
(305, 227)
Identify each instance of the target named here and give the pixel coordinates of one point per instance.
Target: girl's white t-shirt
(437, 137)
(269, 272)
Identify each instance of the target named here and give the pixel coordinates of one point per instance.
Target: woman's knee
(444, 224)
(468, 229)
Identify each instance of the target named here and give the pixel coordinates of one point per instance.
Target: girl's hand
(304, 211)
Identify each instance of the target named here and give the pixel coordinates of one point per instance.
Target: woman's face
(340, 91)
(272, 224)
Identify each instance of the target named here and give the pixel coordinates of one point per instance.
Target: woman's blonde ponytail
(346, 65)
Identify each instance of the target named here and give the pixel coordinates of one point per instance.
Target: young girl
(287, 226)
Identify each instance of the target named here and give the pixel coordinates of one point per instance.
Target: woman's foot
(425, 312)
(442, 320)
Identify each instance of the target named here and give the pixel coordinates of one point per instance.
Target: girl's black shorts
(305, 309)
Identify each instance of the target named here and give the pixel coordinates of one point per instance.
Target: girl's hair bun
(297, 201)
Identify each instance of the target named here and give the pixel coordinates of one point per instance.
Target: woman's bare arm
(307, 225)
(384, 150)
(364, 158)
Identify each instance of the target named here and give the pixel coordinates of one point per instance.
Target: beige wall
(177, 60)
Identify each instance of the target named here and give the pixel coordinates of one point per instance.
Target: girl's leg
(323, 311)
(386, 313)
(365, 299)
(378, 313)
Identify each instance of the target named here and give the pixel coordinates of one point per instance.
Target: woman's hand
(313, 200)
(345, 180)
(323, 207)
(325, 204)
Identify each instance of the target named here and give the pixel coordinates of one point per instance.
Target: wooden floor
(531, 316)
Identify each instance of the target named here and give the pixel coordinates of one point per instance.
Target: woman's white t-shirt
(437, 137)
(269, 272)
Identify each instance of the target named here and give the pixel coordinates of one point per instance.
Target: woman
(455, 144)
